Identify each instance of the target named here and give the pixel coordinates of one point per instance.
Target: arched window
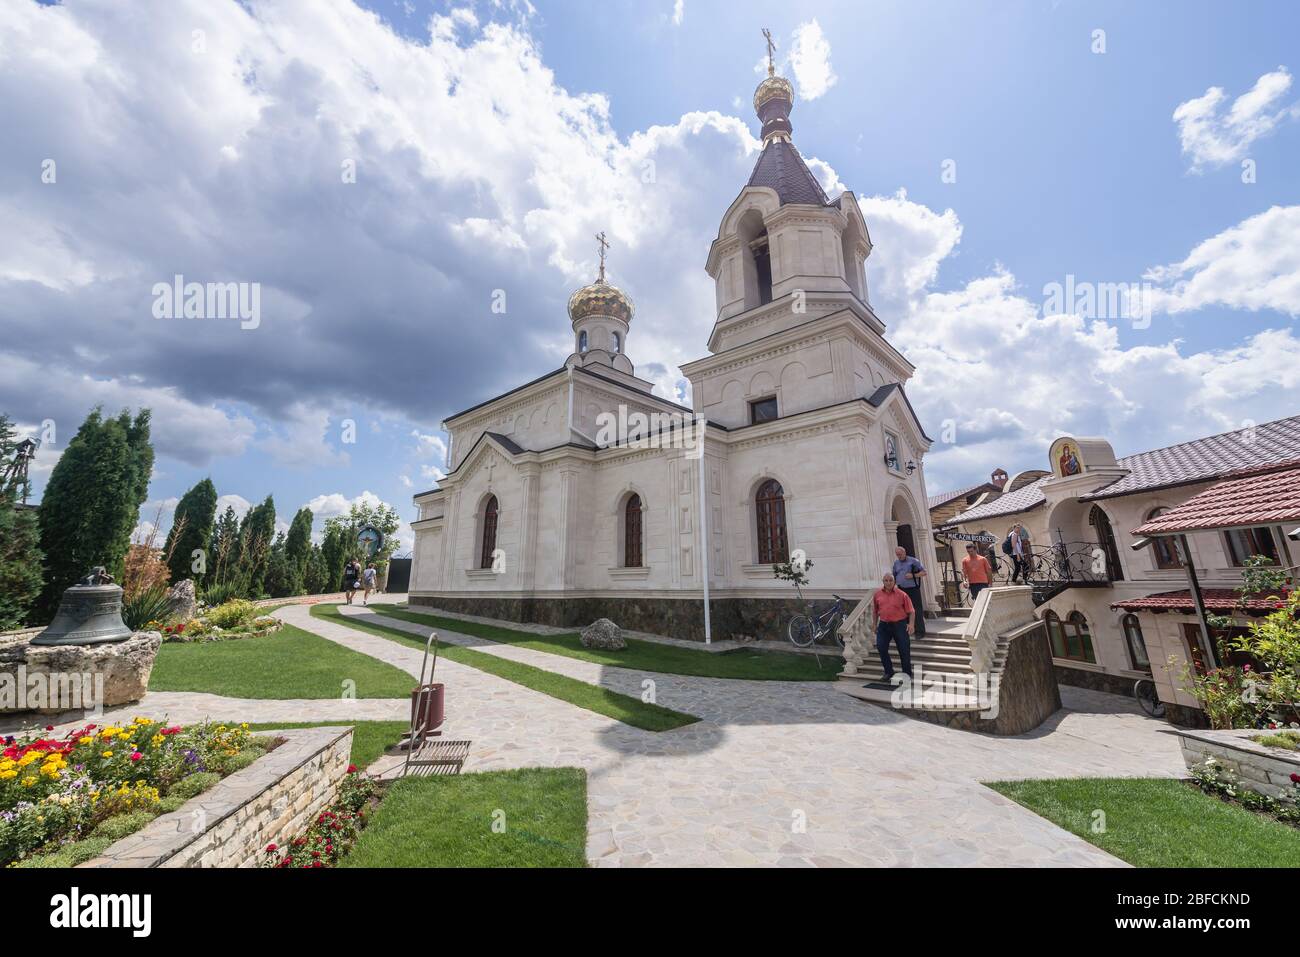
(582, 341)
(618, 342)
(1137, 646)
(1100, 523)
(1164, 549)
(489, 532)
(769, 509)
(632, 532)
(1071, 639)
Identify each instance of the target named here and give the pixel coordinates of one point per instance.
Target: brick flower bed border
(271, 800)
(1259, 767)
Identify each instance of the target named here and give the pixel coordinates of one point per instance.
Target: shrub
(121, 825)
(149, 605)
(218, 593)
(194, 785)
(333, 832)
(232, 614)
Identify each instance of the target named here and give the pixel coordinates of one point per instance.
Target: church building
(582, 494)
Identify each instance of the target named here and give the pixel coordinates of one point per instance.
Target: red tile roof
(1216, 599)
(1256, 495)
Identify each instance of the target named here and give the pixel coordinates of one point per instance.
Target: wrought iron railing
(1047, 568)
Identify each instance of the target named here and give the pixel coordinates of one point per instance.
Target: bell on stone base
(90, 613)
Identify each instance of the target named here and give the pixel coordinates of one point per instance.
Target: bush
(232, 614)
(150, 604)
(121, 825)
(194, 785)
(218, 593)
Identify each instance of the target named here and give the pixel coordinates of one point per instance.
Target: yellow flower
(28, 758)
(156, 740)
(28, 781)
(108, 754)
(8, 775)
(85, 740)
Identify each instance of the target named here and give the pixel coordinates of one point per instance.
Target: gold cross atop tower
(771, 48)
(604, 245)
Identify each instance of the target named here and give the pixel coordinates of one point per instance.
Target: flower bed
(229, 620)
(63, 800)
(1214, 778)
(333, 832)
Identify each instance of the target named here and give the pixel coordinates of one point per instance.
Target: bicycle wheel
(835, 630)
(1145, 691)
(802, 631)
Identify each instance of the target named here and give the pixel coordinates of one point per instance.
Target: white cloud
(301, 440)
(810, 59)
(679, 12)
(1213, 136)
(1253, 265)
(240, 504)
(429, 445)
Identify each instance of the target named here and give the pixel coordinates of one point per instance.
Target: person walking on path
(1017, 546)
(976, 570)
(909, 575)
(892, 613)
(369, 578)
(351, 578)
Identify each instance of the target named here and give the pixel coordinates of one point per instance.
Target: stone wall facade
(271, 800)
(762, 618)
(1263, 769)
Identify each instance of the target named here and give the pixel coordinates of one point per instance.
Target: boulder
(603, 633)
(183, 600)
(54, 678)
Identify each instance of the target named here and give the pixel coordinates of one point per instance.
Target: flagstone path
(780, 773)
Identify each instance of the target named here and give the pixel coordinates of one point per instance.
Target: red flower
(271, 848)
(175, 729)
(352, 769)
(136, 756)
(49, 727)
(1295, 778)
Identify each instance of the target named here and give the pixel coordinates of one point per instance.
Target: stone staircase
(942, 649)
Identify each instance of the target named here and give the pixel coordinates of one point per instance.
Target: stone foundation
(1027, 693)
(762, 618)
(1094, 680)
(51, 679)
(1263, 769)
(270, 801)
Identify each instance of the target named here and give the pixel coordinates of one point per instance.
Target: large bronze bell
(90, 613)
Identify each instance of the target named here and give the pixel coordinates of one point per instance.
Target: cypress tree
(191, 531)
(92, 501)
(256, 538)
(298, 547)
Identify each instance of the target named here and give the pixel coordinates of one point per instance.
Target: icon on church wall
(1069, 461)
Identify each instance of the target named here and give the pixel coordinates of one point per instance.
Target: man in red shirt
(893, 616)
(975, 567)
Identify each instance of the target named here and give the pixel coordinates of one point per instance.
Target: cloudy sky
(385, 170)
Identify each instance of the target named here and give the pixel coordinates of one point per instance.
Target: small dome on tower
(774, 98)
(600, 299)
(772, 88)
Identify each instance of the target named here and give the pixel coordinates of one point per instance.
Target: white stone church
(800, 425)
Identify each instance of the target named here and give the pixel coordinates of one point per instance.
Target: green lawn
(629, 710)
(645, 655)
(534, 817)
(291, 663)
(1159, 822)
(370, 739)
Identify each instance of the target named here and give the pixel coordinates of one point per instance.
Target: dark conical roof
(781, 167)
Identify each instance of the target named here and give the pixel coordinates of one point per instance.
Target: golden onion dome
(773, 87)
(600, 299)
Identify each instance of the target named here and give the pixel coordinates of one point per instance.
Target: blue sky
(493, 139)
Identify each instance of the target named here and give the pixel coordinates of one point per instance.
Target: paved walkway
(781, 773)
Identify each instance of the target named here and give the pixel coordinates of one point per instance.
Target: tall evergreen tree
(298, 546)
(191, 531)
(256, 538)
(20, 554)
(225, 546)
(92, 501)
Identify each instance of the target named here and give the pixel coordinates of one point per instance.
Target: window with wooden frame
(489, 532)
(1245, 542)
(769, 513)
(1071, 639)
(1164, 549)
(632, 532)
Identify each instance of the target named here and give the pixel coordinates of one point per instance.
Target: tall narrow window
(632, 532)
(1137, 646)
(769, 507)
(1100, 523)
(582, 341)
(489, 532)
(1164, 549)
(618, 342)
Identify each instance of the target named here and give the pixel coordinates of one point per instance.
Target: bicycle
(1144, 690)
(804, 630)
